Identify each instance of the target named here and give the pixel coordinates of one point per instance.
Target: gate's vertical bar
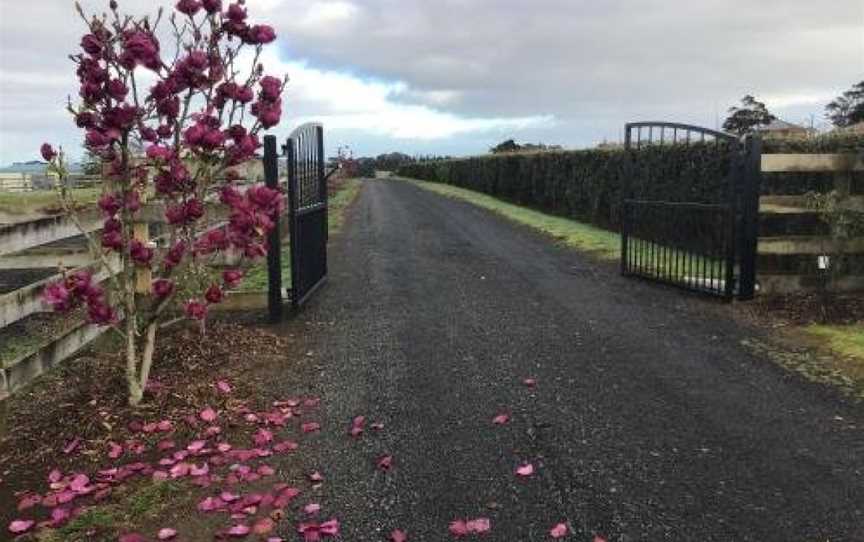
(752, 178)
(274, 238)
(735, 184)
(292, 214)
(322, 183)
(625, 207)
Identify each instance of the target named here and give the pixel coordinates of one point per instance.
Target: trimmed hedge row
(589, 185)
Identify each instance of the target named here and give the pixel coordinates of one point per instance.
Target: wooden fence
(34, 245)
(792, 236)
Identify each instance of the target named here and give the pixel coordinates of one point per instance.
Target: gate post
(751, 190)
(290, 146)
(274, 238)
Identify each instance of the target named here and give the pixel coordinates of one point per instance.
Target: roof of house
(779, 124)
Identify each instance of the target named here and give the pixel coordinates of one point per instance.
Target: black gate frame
(739, 215)
(307, 216)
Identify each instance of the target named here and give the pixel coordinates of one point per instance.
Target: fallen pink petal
(530, 382)
(19, 526)
(478, 526)
(310, 427)
(559, 531)
(312, 508)
(501, 419)
(240, 530)
(166, 534)
(208, 415)
(526, 469)
(223, 386)
(385, 462)
(398, 536)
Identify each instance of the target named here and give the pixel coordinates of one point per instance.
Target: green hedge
(589, 185)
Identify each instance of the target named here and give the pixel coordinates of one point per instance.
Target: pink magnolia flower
(214, 294)
(48, 152)
(163, 287)
(232, 278)
(261, 34)
(189, 7)
(212, 6)
(58, 297)
(91, 45)
(196, 310)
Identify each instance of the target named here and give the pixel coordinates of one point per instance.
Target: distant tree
(506, 146)
(748, 117)
(848, 108)
(92, 163)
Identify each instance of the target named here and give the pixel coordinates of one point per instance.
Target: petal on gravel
(598, 538)
(316, 477)
(525, 470)
(330, 528)
(239, 531)
(530, 382)
(559, 531)
(19, 526)
(478, 526)
(132, 537)
(398, 536)
(310, 427)
(166, 534)
(501, 419)
(312, 508)
(385, 462)
(55, 476)
(208, 415)
(458, 528)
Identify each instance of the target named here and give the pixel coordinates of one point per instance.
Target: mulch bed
(69, 417)
(806, 308)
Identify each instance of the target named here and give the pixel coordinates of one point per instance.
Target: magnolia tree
(193, 113)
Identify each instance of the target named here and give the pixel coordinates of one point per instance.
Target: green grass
(139, 506)
(23, 202)
(603, 244)
(256, 277)
(845, 340)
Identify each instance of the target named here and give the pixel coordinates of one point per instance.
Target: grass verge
(603, 244)
(24, 202)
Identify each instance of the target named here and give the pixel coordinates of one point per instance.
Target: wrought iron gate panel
(706, 246)
(307, 203)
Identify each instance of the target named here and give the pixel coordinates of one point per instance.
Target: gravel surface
(649, 420)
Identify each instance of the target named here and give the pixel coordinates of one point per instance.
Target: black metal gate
(685, 227)
(307, 204)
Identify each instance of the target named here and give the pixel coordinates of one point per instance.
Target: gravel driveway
(648, 420)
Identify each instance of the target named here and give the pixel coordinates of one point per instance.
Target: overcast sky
(457, 76)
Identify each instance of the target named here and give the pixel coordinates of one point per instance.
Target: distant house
(854, 129)
(780, 129)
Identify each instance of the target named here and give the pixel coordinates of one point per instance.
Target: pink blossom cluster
(76, 289)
